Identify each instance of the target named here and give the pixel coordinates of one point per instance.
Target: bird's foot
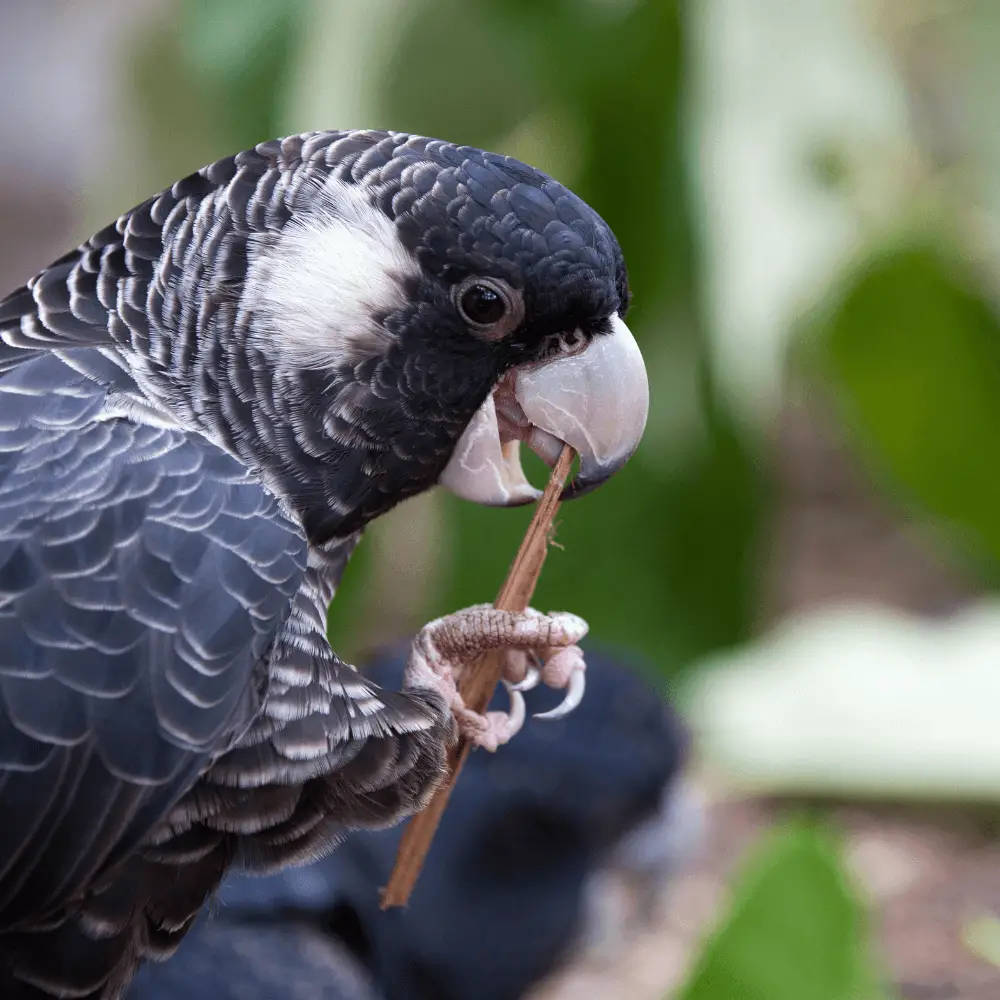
(540, 648)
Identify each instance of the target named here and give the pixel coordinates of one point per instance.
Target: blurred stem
(346, 49)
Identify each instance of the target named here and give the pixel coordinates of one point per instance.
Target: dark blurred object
(278, 957)
(507, 892)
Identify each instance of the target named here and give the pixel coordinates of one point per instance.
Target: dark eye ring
(483, 302)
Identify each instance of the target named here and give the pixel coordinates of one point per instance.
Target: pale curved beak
(596, 401)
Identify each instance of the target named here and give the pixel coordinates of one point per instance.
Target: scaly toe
(572, 627)
(565, 668)
(493, 729)
(561, 664)
(517, 665)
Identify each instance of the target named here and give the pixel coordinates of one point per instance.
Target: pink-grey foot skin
(541, 648)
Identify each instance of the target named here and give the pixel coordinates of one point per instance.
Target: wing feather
(143, 578)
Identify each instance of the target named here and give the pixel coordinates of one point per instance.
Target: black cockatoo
(507, 894)
(201, 408)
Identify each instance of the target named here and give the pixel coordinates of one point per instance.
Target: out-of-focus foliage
(912, 350)
(794, 930)
(661, 557)
(907, 338)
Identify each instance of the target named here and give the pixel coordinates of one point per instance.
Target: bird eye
(482, 305)
(490, 307)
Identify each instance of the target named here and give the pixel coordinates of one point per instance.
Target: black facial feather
(459, 211)
(483, 213)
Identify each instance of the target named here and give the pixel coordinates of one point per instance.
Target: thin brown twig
(477, 685)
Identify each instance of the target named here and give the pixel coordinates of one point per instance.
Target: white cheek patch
(316, 292)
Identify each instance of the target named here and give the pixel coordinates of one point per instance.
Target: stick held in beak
(596, 401)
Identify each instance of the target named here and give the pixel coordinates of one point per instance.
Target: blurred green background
(807, 197)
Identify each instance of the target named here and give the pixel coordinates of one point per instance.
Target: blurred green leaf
(793, 932)
(912, 349)
(222, 39)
